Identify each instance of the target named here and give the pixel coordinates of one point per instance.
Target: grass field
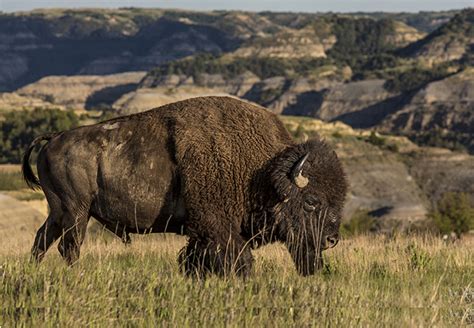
(370, 281)
(11, 180)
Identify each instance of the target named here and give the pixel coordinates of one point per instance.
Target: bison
(221, 171)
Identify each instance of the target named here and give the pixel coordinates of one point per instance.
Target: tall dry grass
(369, 281)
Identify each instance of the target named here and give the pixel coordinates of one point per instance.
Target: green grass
(12, 184)
(27, 195)
(369, 281)
(11, 181)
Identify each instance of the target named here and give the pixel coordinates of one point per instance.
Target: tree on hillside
(19, 128)
(453, 213)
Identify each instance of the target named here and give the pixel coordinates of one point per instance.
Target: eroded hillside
(105, 41)
(363, 74)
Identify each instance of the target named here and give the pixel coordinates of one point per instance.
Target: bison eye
(310, 204)
(309, 208)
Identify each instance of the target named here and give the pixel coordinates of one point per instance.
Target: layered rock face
(82, 91)
(99, 42)
(447, 104)
(451, 41)
(102, 41)
(13, 101)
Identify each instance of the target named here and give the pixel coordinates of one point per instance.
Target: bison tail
(28, 174)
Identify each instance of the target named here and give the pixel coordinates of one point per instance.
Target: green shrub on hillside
(262, 67)
(453, 213)
(416, 78)
(19, 128)
(359, 37)
(393, 147)
(375, 140)
(453, 140)
(361, 222)
(462, 22)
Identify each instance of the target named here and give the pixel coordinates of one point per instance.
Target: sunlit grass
(369, 281)
(11, 181)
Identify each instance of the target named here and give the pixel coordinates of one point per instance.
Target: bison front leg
(221, 256)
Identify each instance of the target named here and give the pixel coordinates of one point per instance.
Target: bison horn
(297, 173)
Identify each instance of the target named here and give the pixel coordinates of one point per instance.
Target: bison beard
(221, 171)
(305, 245)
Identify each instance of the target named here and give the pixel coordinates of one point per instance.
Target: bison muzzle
(223, 172)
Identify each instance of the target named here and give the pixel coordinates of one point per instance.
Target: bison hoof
(126, 239)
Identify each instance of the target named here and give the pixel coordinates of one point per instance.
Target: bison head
(311, 186)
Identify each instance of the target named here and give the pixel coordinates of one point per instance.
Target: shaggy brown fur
(216, 168)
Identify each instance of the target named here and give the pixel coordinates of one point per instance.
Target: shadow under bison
(221, 171)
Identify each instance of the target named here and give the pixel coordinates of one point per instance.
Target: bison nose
(331, 241)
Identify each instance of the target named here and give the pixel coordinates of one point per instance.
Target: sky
(249, 5)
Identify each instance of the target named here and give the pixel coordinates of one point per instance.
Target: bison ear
(297, 173)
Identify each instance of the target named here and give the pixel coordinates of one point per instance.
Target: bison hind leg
(46, 235)
(74, 230)
(200, 258)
